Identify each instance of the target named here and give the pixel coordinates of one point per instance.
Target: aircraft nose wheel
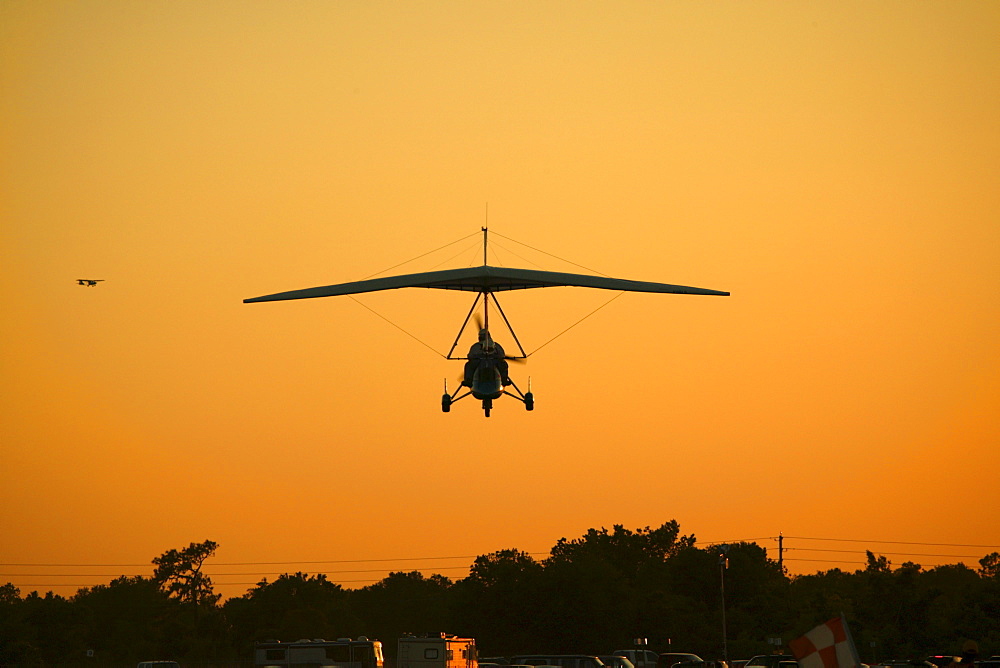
(487, 405)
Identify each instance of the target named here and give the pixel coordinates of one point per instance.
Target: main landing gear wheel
(529, 402)
(446, 402)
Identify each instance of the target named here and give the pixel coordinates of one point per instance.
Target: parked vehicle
(436, 651)
(668, 659)
(941, 660)
(702, 664)
(561, 660)
(616, 661)
(770, 661)
(640, 658)
(343, 653)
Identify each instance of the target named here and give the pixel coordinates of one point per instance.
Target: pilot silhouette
(485, 348)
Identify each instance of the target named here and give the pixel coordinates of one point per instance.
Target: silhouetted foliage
(113, 636)
(404, 603)
(989, 566)
(593, 594)
(291, 607)
(179, 573)
(499, 594)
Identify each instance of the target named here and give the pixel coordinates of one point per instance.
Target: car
(668, 659)
(561, 660)
(770, 661)
(941, 660)
(640, 658)
(702, 664)
(616, 661)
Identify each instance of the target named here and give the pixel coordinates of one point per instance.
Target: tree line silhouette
(592, 595)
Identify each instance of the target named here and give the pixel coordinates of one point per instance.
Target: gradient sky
(832, 164)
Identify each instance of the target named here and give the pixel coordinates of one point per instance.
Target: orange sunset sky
(834, 165)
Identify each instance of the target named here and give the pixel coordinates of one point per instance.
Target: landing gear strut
(526, 398)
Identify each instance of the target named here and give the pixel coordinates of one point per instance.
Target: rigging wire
(500, 263)
(422, 255)
(495, 256)
(356, 301)
(550, 254)
(519, 257)
(575, 324)
(460, 253)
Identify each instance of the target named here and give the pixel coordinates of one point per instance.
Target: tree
(291, 607)
(501, 591)
(404, 603)
(626, 551)
(123, 620)
(179, 573)
(989, 566)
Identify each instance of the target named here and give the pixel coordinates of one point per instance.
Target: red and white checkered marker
(828, 645)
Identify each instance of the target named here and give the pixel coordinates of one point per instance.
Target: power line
(218, 584)
(836, 561)
(897, 554)
(273, 563)
(467, 556)
(893, 542)
(208, 573)
(739, 540)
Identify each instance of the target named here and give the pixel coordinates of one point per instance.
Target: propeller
(477, 319)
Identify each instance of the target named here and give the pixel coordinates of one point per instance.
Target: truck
(436, 651)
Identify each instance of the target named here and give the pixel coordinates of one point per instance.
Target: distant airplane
(89, 282)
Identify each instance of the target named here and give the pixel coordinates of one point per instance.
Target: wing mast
(486, 295)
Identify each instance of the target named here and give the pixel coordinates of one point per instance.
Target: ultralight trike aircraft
(486, 375)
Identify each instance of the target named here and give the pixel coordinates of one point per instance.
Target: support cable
(519, 257)
(458, 254)
(551, 255)
(421, 255)
(575, 323)
(395, 325)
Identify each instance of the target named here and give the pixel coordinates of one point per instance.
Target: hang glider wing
(485, 279)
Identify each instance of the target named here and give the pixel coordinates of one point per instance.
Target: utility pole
(723, 565)
(781, 552)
